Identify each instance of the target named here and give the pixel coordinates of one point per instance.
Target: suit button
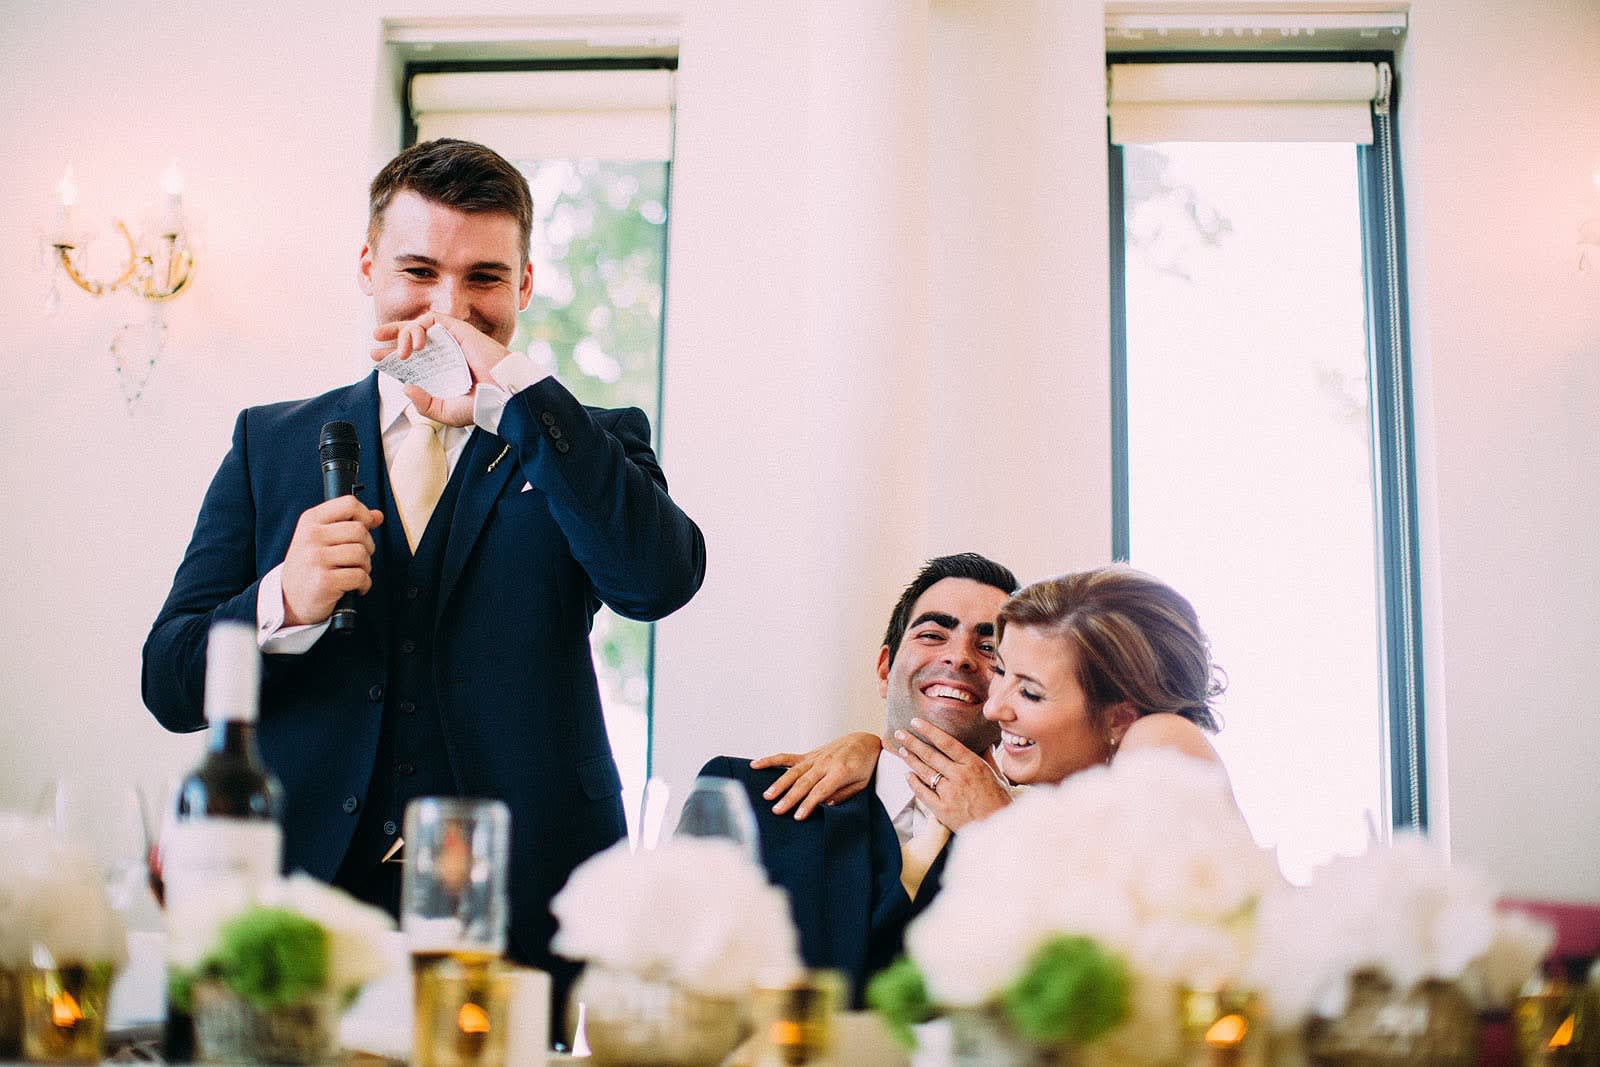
(375, 694)
(555, 433)
(408, 646)
(562, 446)
(350, 804)
(389, 828)
(407, 707)
(547, 418)
(412, 592)
(407, 768)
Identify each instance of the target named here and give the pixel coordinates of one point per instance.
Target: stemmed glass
(111, 822)
(718, 807)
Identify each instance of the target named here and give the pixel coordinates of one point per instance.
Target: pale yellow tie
(919, 852)
(418, 474)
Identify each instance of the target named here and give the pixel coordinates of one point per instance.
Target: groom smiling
(871, 863)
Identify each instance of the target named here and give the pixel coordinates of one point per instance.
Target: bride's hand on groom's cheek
(951, 780)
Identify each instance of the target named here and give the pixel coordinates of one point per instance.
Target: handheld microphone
(341, 462)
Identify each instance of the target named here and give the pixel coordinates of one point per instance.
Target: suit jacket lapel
(846, 876)
(480, 487)
(360, 409)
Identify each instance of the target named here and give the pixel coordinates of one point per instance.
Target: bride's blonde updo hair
(1137, 640)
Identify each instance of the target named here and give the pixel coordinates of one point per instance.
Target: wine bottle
(223, 838)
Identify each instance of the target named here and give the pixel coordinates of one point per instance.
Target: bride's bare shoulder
(1164, 730)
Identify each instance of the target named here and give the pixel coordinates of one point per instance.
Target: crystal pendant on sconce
(52, 297)
(133, 353)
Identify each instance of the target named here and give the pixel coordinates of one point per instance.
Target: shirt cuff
(511, 375)
(272, 636)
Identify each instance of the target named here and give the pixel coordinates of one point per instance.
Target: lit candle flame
(1563, 1035)
(64, 1010)
(172, 179)
(68, 188)
(1227, 1031)
(472, 1019)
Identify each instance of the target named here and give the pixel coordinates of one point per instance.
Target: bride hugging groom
(984, 689)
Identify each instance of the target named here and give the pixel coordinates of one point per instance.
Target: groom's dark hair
(962, 565)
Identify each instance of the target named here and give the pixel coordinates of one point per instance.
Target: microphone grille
(338, 442)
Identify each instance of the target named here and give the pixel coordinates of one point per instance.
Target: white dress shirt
(894, 793)
(511, 375)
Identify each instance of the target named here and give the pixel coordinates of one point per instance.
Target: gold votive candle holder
(10, 1015)
(1222, 1028)
(64, 1012)
(1549, 1020)
(795, 1019)
(462, 1013)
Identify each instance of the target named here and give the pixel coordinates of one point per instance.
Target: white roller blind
(1152, 102)
(549, 114)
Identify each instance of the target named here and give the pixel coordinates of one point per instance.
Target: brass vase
(230, 1029)
(1429, 1025)
(981, 1038)
(633, 1020)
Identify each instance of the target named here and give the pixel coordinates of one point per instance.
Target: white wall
(887, 339)
(1501, 142)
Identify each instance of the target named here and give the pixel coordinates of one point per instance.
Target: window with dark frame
(1262, 450)
(599, 253)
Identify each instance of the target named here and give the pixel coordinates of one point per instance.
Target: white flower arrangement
(325, 940)
(1149, 857)
(54, 909)
(695, 911)
(356, 931)
(1402, 910)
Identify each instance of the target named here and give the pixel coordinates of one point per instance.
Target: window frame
(408, 137)
(1390, 405)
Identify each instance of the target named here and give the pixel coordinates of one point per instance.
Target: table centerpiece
(674, 939)
(266, 980)
(1069, 924)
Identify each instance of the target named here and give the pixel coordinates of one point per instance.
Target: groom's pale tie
(418, 474)
(919, 852)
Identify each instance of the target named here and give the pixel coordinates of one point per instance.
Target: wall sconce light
(157, 264)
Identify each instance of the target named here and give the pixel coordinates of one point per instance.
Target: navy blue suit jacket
(523, 574)
(841, 867)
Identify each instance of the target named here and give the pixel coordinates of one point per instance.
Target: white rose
(695, 910)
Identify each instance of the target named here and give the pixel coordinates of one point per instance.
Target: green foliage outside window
(599, 245)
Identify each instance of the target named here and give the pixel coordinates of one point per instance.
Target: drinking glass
(453, 890)
(107, 819)
(718, 807)
(453, 911)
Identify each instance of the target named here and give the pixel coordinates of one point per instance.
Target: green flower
(1071, 992)
(900, 996)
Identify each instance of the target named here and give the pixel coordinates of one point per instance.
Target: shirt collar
(392, 401)
(894, 792)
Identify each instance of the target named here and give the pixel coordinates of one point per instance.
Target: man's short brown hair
(460, 174)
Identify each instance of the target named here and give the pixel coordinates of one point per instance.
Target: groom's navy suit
(469, 671)
(841, 867)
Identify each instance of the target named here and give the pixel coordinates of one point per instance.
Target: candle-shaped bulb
(172, 209)
(67, 189)
(172, 179)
